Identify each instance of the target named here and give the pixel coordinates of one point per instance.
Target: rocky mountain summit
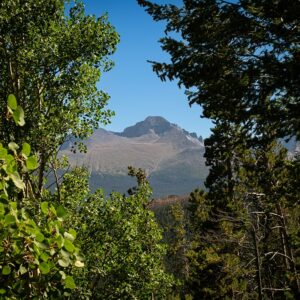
(158, 126)
(172, 157)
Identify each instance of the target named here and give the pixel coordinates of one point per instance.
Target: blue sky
(136, 92)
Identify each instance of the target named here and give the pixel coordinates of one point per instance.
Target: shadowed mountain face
(172, 157)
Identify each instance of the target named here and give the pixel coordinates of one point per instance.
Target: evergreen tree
(240, 61)
(177, 238)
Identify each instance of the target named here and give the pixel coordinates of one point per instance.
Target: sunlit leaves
(26, 149)
(44, 256)
(64, 262)
(69, 246)
(69, 282)
(10, 166)
(44, 268)
(2, 291)
(44, 208)
(12, 102)
(51, 61)
(47, 259)
(79, 264)
(3, 152)
(18, 115)
(9, 220)
(13, 146)
(17, 180)
(27, 247)
(69, 236)
(32, 163)
(76, 45)
(15, 110)
(120, 240)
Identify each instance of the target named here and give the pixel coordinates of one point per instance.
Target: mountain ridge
(156, 125)
(171, 156)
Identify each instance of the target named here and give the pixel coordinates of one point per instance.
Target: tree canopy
(239, 60)
(51, 59)
(67, 243)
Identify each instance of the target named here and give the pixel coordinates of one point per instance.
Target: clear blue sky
(136, 92)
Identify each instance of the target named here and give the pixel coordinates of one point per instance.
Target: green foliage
(32, 246)
(177, 238)
(239, 59)
(215, 271)
(15, 110)
(240, 62)
(52, 56)
(12, 161)
(120, 240)
(34, 257)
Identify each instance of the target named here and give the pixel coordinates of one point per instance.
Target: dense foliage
(240, 61)
(120, 240)
(121, 251)
(36, 250)
(51, 59)
(239, 239)
(67, 243)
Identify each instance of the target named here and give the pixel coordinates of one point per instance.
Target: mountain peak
(166, 131)
(155, 120)
(172, 157)
(152, 124)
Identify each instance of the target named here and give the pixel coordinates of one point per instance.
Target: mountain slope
(172, 157)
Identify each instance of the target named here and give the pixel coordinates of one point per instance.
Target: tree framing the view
(51, 61)
(239, 60)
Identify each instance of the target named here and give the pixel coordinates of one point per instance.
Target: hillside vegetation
(236, 239)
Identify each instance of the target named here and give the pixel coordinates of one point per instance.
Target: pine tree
(240, 62)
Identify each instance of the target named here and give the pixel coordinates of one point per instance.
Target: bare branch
(277, 253)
